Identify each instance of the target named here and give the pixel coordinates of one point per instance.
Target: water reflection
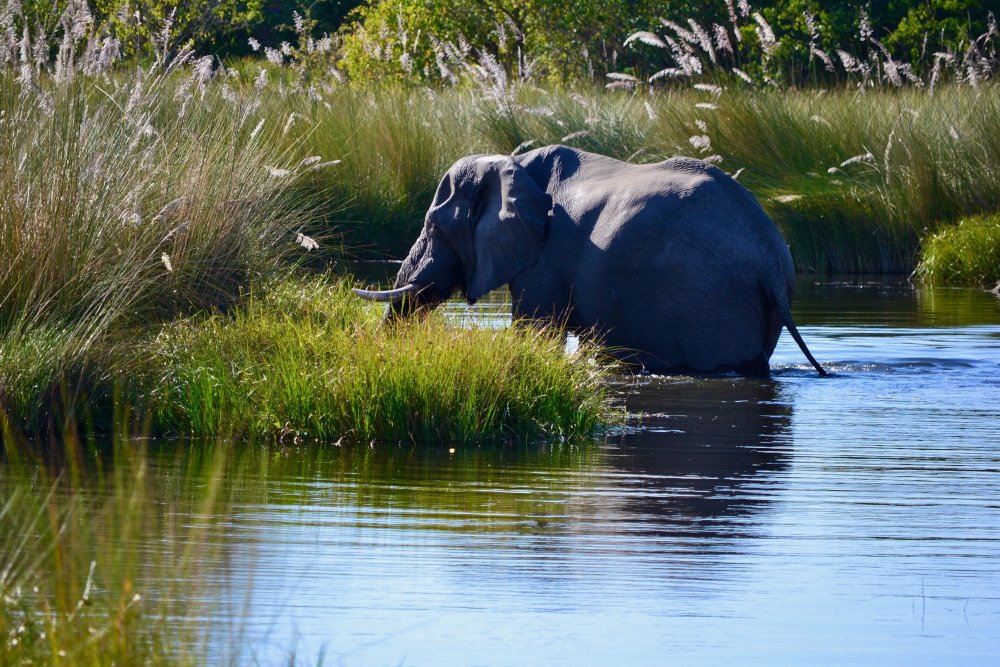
(702, 442)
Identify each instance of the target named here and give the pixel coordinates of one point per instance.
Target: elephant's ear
(512, 214)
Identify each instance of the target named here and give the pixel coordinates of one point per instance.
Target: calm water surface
(847, 520)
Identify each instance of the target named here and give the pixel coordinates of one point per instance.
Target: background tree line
(561, 40)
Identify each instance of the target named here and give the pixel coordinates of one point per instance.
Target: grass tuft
(963, 254)
(309, 359)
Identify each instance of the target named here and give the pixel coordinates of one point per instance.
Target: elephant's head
(487, 223)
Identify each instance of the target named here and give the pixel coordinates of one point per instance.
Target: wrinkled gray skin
(675, 265)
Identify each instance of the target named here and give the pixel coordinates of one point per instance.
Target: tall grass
(308, 360)
(854, 178)
(127, 199)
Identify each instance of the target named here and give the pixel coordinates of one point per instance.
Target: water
(853, 519)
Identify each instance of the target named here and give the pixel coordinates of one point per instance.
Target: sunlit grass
(310, 360)
(963, 254)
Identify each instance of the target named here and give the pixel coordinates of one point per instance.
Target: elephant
(674, 265)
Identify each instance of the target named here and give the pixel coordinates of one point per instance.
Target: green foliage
(964, 253)
(559, 40)
(308, 359)
(580, 40)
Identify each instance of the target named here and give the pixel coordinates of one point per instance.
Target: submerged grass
(308, 359)
(963, 254)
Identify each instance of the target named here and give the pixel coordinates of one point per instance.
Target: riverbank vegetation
(145, 190)
(307, 360)
(968, 252)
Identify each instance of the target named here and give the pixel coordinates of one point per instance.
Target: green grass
(305, 358)
(308, 359)
(963, 254)
(853, 178)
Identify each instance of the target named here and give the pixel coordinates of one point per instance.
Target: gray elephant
(674, 265)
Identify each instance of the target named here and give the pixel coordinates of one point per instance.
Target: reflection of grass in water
(112, 552)
(308, 358)
(81, 582)
(496, 484)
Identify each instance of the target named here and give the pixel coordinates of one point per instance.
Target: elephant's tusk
(391, 296)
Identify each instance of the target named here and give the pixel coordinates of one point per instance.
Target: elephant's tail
(780, 299)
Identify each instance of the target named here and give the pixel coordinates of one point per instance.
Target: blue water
(800, 520)
(854, 519)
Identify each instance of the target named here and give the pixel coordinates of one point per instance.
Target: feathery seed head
(323, 165)
(203, 69)
(864, 25)
(274, 55)
(701, 142)
(306, 242)
(709, 88)
(721, 36)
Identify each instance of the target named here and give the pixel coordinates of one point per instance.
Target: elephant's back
(701, 251)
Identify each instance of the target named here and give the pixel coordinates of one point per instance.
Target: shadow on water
(701, 441)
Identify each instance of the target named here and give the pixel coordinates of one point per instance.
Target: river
(853, 519)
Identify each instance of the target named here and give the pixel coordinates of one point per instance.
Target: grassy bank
(963, 254)
(308, 359)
